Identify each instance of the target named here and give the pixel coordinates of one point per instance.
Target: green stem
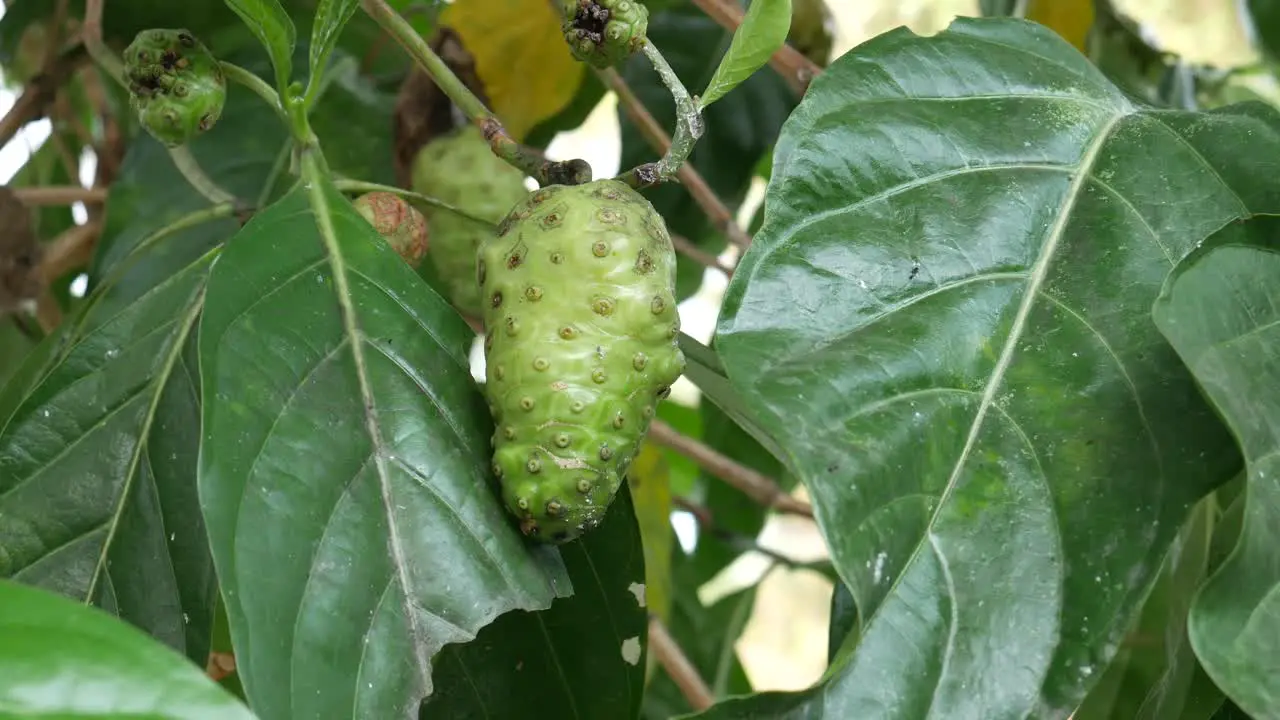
(260, 87)
(359, 186)
(91, 35)
(528, 160)
(191, 170)
(689, 126)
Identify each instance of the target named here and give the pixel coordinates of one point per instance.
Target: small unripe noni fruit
(461, 170)
(176, 86)
(602, 33)
(398, 222)
(581, 345)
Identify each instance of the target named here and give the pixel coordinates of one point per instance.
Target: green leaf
(739, 128)
(274, 28)
(762, 32)
(1263, 19)
(1219, 312)
(844, 621)
(704, 370)
(1155, 674)
(945, 321)
(331, 18)
(61, 659)
(584, 655)
(14, 347)
(344, 468)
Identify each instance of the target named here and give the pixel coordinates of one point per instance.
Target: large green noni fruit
(460, 169)
(581, 344)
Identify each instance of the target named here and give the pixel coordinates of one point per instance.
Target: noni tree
(340, 390)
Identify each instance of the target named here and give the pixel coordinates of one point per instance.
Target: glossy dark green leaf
(99, 438)
(763, 30)
(344, 470)
(708, 636)
(844, 621)
(274, 28)
(331, 17)
(1155, 672)
(584, 655)
(1220, 312)
(61, 659)
(945, 321)
(738, 128)
(1263, 18)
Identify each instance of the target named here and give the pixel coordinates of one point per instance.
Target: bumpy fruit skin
(176, 86)
(398, 222)
(580, 347)
(461, 170)
(602, 33)
(811, 28)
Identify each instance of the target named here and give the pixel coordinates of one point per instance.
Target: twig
(91, 36)
(73, 248)
(711, 204)
(700, 256)
(738, 541)
(678, 667)
(60, 195)
(796, 69)
(755, 485)
(528, 160)
(689, 128)
(37, 94)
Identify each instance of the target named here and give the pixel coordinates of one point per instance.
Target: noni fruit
(581, 344)
(462, 171)
(398, 222)
(176, 86)
(602, 33)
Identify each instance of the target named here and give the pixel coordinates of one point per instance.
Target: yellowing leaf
(1071, 19)
(521, 57)
(650, 481)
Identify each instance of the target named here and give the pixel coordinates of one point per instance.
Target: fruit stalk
(529, 161)
(257, 85)
(689, 126)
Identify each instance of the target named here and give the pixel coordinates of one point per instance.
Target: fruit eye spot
(554, 508)
(557, 258)
(562, 440)
(611, 217)
(639, 361)
(602, 306)
(533, 293)
(496, 300)
(600, 248)
(552, 220)
(526, 403)
(522, 503)
(513, 326)
(509, 432)
(605, 452)
(584, 486)
(577, 406)
(568, 332)
(619, 421)
(534, 466)
(658, 305)
(598, 375)
(499, 372)
(540, 364)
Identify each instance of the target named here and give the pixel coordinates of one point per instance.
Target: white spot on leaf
(637, 589)
(631, 650)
